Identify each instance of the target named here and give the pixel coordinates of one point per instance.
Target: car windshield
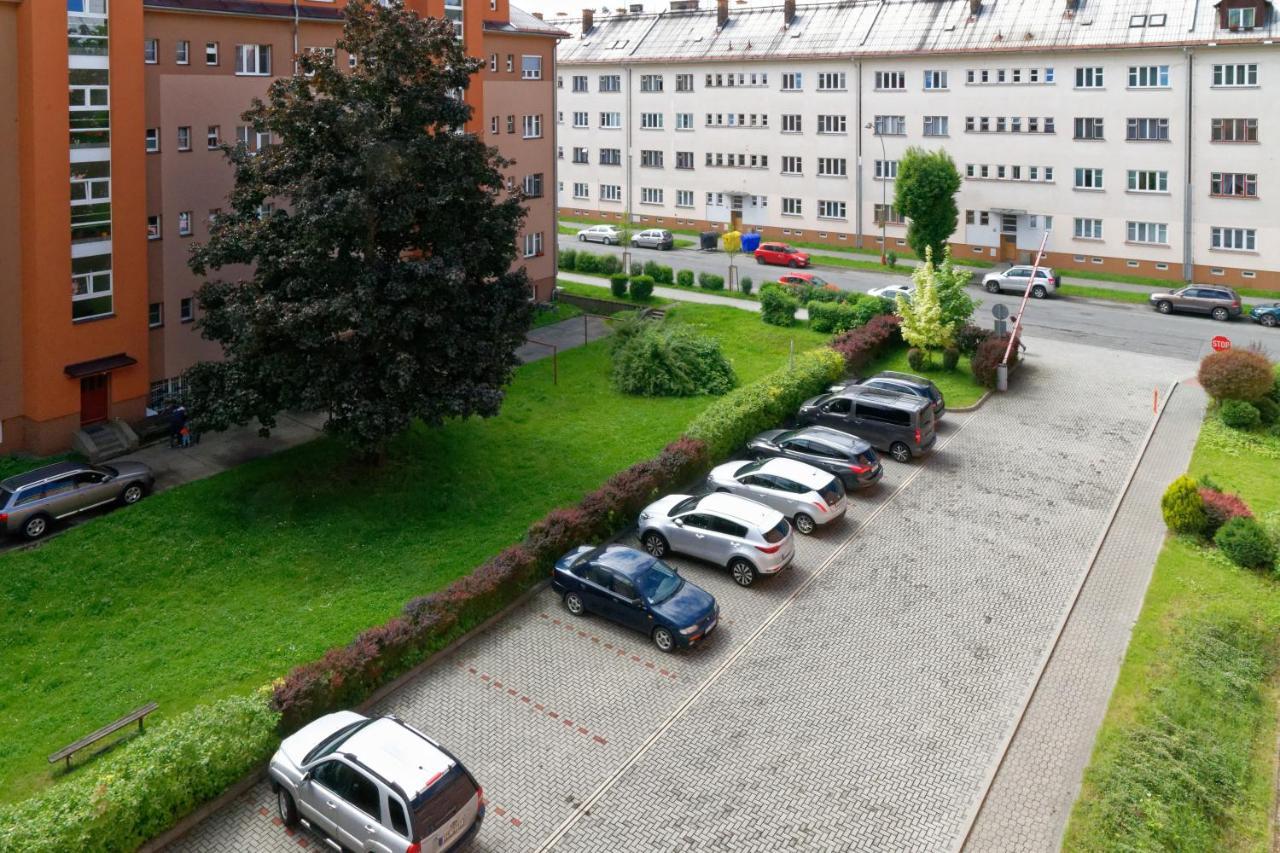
(684, 506)
(818, 280)
(658, 583)
(749, 468)
(333, 741)
(109, 471)
(787, 250)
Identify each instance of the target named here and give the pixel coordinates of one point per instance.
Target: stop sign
(1220, 343)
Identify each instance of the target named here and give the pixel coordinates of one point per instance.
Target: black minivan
(901, 425)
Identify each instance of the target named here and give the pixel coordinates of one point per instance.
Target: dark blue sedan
(639, 591)
(1267, 315)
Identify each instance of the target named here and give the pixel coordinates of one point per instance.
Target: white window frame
(211, 53)
(684, 198)
(1235, 75)
(1147, 233)
(253, 60)
(937, 121)
(182, 52)
(151, 51)
(1088, 178)
(1220, 236)
(528, 73)
(935, 80)
(1089, 77)
(185, 223)
(832, 81)
(833, 124)
(835, 209)
(1087, 228)
(1148, 77)
(533, 244)
(611, 192)
(532, 126)
(1138, 177)
(153, 140)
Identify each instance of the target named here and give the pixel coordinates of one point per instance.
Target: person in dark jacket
(177, 423)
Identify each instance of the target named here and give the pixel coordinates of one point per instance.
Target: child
(185, 435)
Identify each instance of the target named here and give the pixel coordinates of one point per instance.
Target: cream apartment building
(1135, 132)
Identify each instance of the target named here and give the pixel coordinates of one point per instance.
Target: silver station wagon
(30, 503)
(804, 494)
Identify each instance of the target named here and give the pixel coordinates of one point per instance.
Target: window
(684, 83)
(493, 62)
(1141, 181)
(1233, 239)
(90, 201)
(791, 165)
(887, 215)
(935, 125)
(253, 59)
(651, 159)
(611, 120)
(211, 53)
(1089, 78)
(153, 139)
(831, 209)
(153, 228)
(581, 190)
(1088, 229)
(533, 127)
(792, 206)
(1147, 130)
(1241, 19)
(511, 61)
(891, 125)
(495, 127)
(150, 51)
(608, 156)
(610, 192)
(580, 83)
(581, 119)
(935, 80)
(1088, 179)
(184, 224)
(243, 135)
(1234, 130)
(581, 155)
(891, 81)
(531, 69)
(533, 244)
(650, 82)
(832, 124)
(213, 137)
(1233, 184)
(155, 315)
(610, 83)
(533, 185)
(684, 159)
(832, 167)
(651, 121)
(1148, 76)
(1235, 75)
(91, 292)
(684, 198)
(831, 81)
(262, 139)
(651, 195)
(187, 310)
(1088, 128)
(184, 138)
(1147, 232)
(792, 81)
(684, 121)
(182, 52)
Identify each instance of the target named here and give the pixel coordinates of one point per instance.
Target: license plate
(451, 831)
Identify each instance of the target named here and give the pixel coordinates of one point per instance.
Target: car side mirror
(306, 777)
(637, 602)
(678, 522)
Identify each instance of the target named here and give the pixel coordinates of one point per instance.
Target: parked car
(747, 538)
(1016, 279)
(808, 496)
(636, 590)
(781, 254)
(375, 784)
(31, 502)
(654, 238)
(610, 235)
(799, 279)
(900, 424)
(906, 383)
(846, 456)
(893, 291)
(1267, 315)
(1220, 303)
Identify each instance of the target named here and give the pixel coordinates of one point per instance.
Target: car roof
(627, 562)
(902, 378)
(57, 469)
(739, 509)
(880, 395)
(834, 436)
(805, 475)
(398, 754)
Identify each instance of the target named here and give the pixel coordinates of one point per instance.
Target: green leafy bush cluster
(684, 278)
(618, 284)
(144, 786)
(746, 284)
(1268, 410)
(950, 358)
(660, 360)
(777, 307)
(917, 359)
(567, 259)
(1239, 414)
(641, 288)
(1246, 543)
(851, 313)
(589, 263)
(729, 422)
(1183, 507)
(659, 273)
(710, 281)
(1236, 374)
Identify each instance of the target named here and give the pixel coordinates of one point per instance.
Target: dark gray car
(847, 456)
(1220, 303)
(907, 383)
(31, 502)
(900, 424)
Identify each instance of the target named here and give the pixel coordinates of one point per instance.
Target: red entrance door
(93, 399)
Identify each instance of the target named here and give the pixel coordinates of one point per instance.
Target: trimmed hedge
(1246, 544)
(746, 284)
(659, 273)
(850, 313)
(641, 288)
(618, 284)
(1238, 414)
(988, 356)
(858, 347)
(684, 278)
(777, 307)
(567, 259)
(143, 787)
(710, 281)
(1183, 507)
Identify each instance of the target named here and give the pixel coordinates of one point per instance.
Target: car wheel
(288, 810)
(1268, 320)
(900, 452)
(656, 544)
(573, 603)
(993, 287)
(744, 574)
(760, 261)
(804, 524)
(1038, 292)
(1164, 306)
(792, 264)
(36, 526)
(664, 639)
(582, 238)
(133, 493)
(1220, 314)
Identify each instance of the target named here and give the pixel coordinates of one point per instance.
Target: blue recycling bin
(750, 242)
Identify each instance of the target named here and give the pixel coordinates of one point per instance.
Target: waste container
(750, 242)
(709, 239)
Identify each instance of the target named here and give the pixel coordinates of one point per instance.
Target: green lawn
(593, 292)
(957, 386)
(1210, 785)
(219, 586)
(559, 312)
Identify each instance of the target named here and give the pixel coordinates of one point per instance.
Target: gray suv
(1017, 279)
(375, 784)
(748, 538)
(1220, 303)
(31, 502)
(900, 424)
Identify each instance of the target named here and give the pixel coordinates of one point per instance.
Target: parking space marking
(505, 688)
(618, 651)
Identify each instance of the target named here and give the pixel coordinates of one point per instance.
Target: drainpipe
(857, 187)
(626, 105)
(1188, 259)
(554, 188)
(295, 37)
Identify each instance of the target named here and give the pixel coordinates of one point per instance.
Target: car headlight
(690, 630)
(645, 516)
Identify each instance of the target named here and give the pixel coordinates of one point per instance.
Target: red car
(781, 254)
(796, 278)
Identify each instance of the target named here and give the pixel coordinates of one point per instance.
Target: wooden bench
(135, 716)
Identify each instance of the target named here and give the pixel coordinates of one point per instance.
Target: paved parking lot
(858, 701)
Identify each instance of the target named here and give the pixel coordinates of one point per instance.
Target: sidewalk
(679, 294)
(564, 335)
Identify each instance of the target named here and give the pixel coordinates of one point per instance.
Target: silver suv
(1017, 278)
(808, 496)
(375, 784)
(31, 502)
(748, 538)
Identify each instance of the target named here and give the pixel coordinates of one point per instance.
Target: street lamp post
(884, 191)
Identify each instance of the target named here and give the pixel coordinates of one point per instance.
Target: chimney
(538, 15)
(788, 12)
(722, 13)
(588, 20)
(636, 8)
(975, 6)
(684, 5)
(1073, 5)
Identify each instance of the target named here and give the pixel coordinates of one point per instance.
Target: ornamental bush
(641, 288)
(671, 361)
(618, 284)
(986, 359)
(1268, 410)
(917, 359)
(827, 317)
(1236, 374)
(684, 278)
(609, 264)
(746, 284)
(1238, 414)
(1221, 507)
(567, 259)
(858, 347)
(1183, 508)
(777, 307)
(651, 269)
(662, 274)
(950, 358)
(968, 336)
(1246, 544)
(587, 263)
(710, 281)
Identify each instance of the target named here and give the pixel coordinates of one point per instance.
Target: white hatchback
(607, 234)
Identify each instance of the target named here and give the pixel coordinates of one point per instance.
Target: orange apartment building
(112, 184)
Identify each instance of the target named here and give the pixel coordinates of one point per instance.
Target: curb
(974, 407)
(971, 819)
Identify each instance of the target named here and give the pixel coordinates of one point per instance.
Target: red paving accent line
(528, 700)
(621, 652)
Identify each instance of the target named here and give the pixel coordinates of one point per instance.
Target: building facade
(1132, 133)
(155, 88)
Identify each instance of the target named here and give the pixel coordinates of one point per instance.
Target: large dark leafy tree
(925, 192)
(378, 239)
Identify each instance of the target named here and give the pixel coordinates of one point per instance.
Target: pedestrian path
(567, 334)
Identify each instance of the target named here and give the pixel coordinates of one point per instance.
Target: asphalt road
(1133, 328)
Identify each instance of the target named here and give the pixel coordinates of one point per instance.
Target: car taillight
(480, 794)
(413, 848)
(820, 505)
(859, 469)
(768, 549)
(4, 516)
(1235, 304)
(917, 436)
